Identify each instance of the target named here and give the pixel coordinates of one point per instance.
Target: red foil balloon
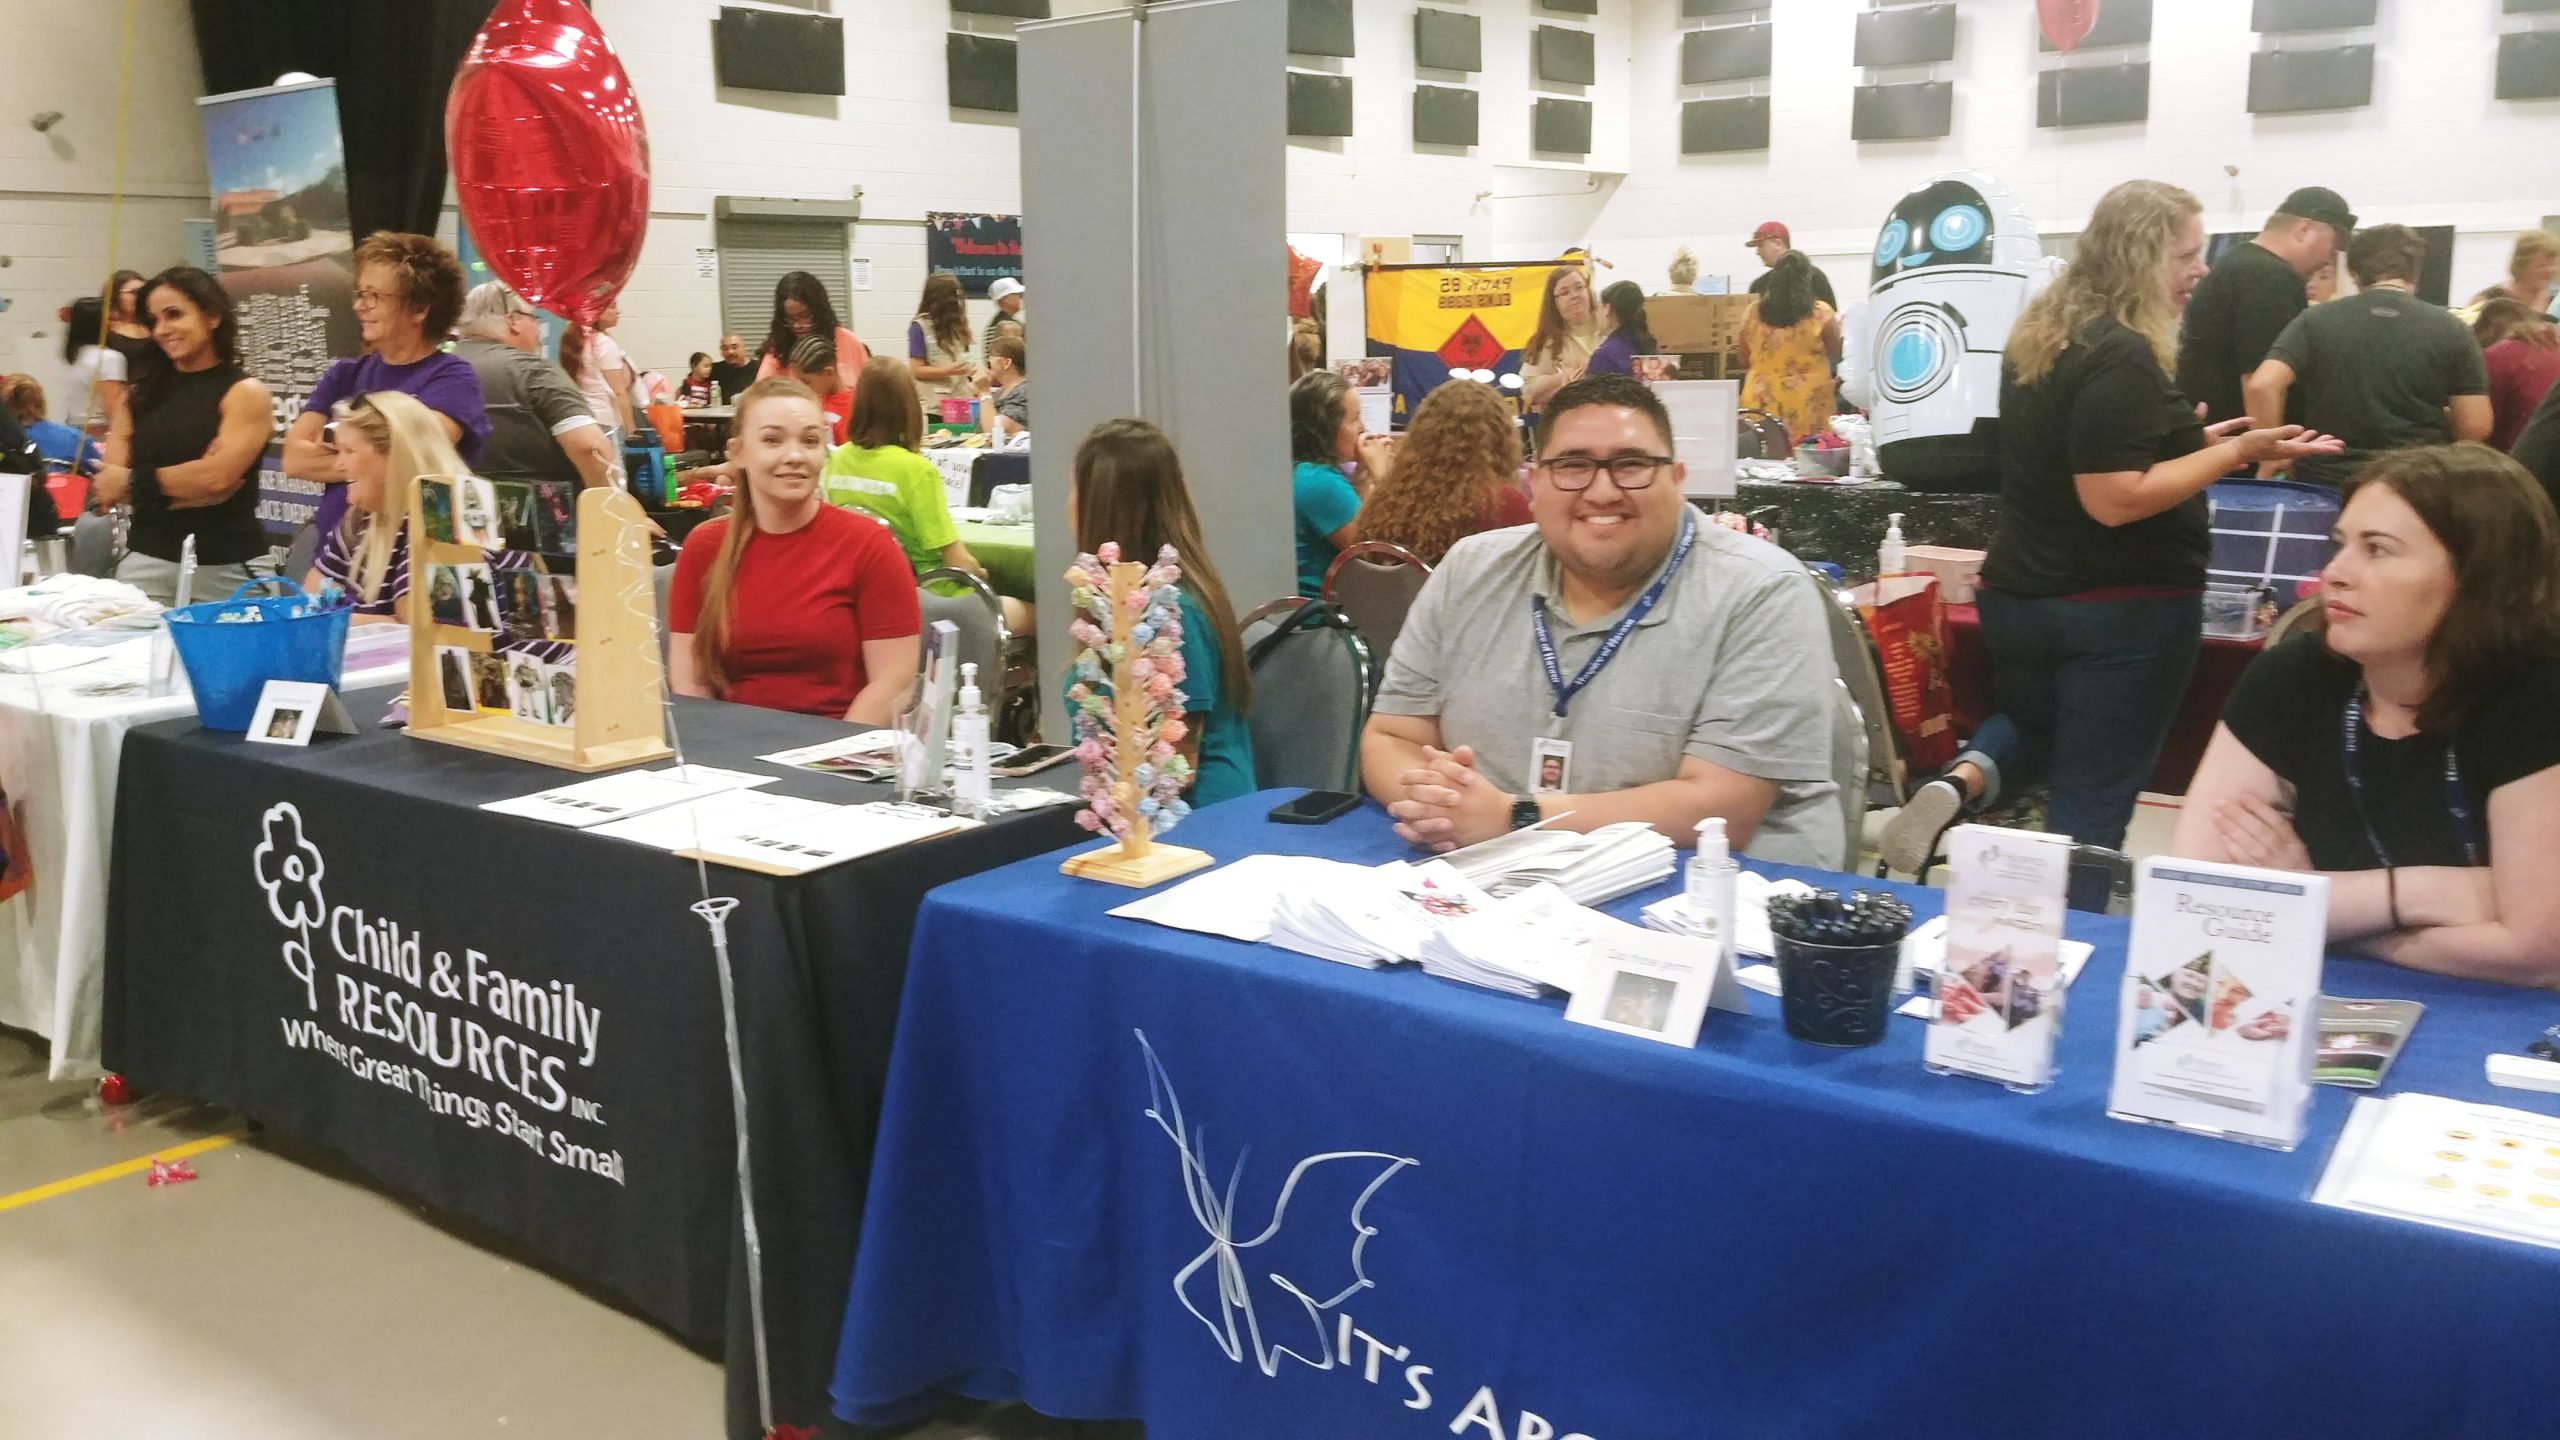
(2067, 22)
(550, 158)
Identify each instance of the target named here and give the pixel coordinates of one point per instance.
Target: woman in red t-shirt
(788, 602)
(1455, 473)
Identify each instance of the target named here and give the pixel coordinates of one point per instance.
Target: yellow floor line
(105, 1173)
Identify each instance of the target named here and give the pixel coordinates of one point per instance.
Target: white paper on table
(726, 813)
(835, 835)
(47, 659)
(2436, 1161)
(1236, 899)
(1530, 939)
(1751, 935)
(871, 746)
(618, 797)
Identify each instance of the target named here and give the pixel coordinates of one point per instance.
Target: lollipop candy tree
(1129, 728)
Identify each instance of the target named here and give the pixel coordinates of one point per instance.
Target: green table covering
(1006, 552)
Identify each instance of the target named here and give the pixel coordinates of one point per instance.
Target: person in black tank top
(186, 451)
(2402, 744)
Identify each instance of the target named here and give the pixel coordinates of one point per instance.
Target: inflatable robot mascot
(1955, 265)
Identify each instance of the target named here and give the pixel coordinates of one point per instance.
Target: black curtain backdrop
(393, 61)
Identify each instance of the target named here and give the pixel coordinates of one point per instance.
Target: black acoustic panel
(983, 76)
(2435, 273)
(1320, 27)
(1736, 52)
(1443, 115)
(2094, 95)
(1701, 9)
(1571, 7)
(1018, 9)
(776, 50)
(1447, 40)
(2120, 22)
(2533, 7)
(1560, 127)
(1906, 35)
(2278, 16)
(1717, 127)
(1319, 104)
(2529, 65)
(1564, 56)
(2287, 80)
(1923, 111)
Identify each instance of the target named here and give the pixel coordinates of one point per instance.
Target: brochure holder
(618, 681)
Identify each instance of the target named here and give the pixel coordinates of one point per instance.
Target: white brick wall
(2433, 149)
(55, 188)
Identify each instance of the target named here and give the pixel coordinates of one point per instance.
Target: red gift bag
(1909, 625)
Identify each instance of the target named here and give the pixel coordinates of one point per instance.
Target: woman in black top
(187, 450)
(2092, 594)
(2407, 746)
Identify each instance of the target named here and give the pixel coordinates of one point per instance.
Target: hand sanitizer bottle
(972, 784)
(1710, 887)
(1889, 554)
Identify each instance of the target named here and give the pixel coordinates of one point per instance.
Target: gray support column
(1164, 129)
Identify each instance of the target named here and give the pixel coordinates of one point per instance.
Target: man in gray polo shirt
(1714, 699)
(540, 427)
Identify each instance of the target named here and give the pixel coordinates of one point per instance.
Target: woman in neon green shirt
(879, 470)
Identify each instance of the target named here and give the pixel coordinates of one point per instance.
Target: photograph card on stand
(595, 704)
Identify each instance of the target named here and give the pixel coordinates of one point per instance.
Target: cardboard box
(1958, 571)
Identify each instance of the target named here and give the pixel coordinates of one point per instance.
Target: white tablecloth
(61, 740)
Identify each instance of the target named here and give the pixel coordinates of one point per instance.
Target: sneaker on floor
(1910, 839)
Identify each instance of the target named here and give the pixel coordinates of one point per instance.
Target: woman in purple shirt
(408, 294)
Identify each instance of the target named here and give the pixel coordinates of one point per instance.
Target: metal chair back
(1311, 670)
(1375, 583)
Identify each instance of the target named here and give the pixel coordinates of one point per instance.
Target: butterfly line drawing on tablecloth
(1234, 1320)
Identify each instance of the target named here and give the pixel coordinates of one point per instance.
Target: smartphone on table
(1030, 760)
(1315, 807)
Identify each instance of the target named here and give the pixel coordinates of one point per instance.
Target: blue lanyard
(2457, 799)
(1618, 634)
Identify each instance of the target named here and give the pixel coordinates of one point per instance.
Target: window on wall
(1438, 249)
(756, 253)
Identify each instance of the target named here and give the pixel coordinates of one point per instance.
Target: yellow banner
(1421, 309)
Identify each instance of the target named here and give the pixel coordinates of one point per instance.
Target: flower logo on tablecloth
(289, 870)
(1215, 1288)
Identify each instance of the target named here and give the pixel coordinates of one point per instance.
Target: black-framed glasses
(1627, 472)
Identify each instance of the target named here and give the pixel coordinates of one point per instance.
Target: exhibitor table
(60, 738)
(1006, 552)
(1241, 1193)
(520, 1024)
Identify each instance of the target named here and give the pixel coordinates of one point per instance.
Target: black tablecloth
(1845, 523)
(541, 1052)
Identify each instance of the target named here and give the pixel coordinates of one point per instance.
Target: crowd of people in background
(2140, 376)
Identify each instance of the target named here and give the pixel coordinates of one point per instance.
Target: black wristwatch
(1524, 812)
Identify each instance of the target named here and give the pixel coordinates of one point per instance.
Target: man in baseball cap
(1770, 242)
(2253, 292)
(1007, 293)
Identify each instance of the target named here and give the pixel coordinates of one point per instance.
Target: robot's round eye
(1897, 233)
(1959, 228)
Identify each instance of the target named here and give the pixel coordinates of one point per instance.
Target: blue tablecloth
(1622, 1240)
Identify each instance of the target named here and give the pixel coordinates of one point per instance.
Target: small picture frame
(516, 515)
(290, 712)
(529, 688)
(489, 682)
(435, 507)
(475, 514)
(560, 607)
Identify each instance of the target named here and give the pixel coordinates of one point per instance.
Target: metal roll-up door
(755, 253)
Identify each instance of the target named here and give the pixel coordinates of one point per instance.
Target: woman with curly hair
(1456, 473)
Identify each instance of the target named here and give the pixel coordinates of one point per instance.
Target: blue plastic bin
(294, 637)
(2270, 532)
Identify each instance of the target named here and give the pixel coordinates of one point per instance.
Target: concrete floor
(278, 1297)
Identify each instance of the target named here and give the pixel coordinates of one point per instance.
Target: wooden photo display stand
(618, 682)
(1135, 859)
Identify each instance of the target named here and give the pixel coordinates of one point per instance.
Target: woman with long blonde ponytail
(385, 442)
(2092, 595)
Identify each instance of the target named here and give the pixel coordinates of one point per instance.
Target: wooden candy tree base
(1154, 866)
